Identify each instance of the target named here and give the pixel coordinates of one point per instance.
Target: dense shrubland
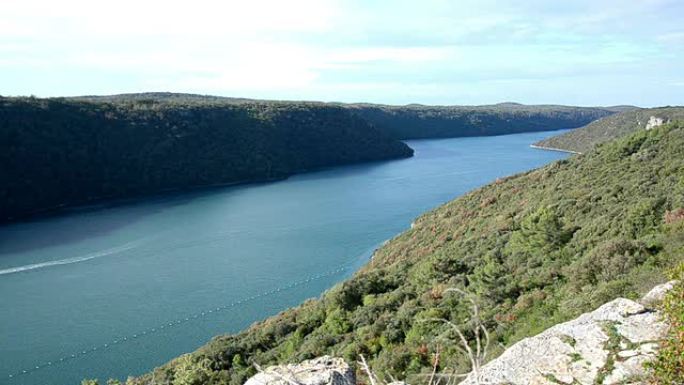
(537, 248)
(62, 152)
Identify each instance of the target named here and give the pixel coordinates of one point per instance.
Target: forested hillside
(419, 122)
(611, 127)
(536, 249)
(63, 152)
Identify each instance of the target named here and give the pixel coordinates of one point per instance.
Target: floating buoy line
(161, 327)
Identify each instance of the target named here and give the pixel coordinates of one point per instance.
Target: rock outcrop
(654, 121)
(320, 371)
(657, 294)
(608, 346)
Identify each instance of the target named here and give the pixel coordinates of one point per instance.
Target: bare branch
(476, 349)
(487, 342)
(464, 341)
(364, 366)
(477, 354)
(435, 364)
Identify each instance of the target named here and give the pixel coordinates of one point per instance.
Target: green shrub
(668, 367)
(192, 371)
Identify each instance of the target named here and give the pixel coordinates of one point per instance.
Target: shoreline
(104, 202)
(101, 202)
(555, 149)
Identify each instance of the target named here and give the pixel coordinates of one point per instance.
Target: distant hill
(610, 127)
(173, 98)
(417, 121)
(420, 122)
(536, 249)
(64, 152)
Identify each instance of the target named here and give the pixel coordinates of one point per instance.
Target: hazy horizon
(586, 53)
(494, 103)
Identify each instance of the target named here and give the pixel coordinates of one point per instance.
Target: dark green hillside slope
(610, 127)
(61, 152)
(537, 249)
(417, 121)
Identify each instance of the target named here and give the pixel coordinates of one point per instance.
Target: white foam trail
(67, 261)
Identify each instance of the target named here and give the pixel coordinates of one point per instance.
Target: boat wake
(68, 261)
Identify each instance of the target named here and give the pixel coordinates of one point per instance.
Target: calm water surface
(117, 291)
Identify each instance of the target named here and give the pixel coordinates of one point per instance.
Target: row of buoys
(180, 321)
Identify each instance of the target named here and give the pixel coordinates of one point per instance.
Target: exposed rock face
(657, 294)
(607, 346)
(654, 121)
(320, 371)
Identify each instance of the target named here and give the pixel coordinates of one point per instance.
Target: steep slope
(60, 152)
(611, 127)
(417, 121)
(536, 249)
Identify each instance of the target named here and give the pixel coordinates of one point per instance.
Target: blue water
(118, 290)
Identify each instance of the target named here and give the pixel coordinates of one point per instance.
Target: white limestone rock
(578, 351)
(324, 370)
(657, 294)
(654, 121)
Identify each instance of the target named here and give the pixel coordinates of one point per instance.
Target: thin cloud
(471, 51)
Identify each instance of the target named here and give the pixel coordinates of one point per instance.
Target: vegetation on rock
(668, 368)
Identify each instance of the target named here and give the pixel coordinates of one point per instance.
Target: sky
(575, 52)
